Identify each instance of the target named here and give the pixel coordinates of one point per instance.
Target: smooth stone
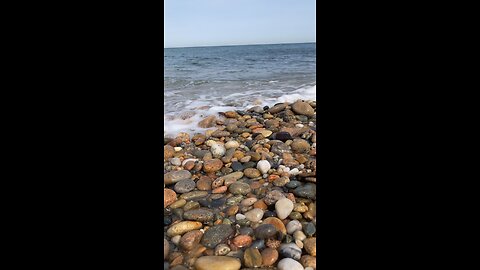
(183, 227)
(239, 217)
(227, 179)
(269, 256)
(232, 144)
(222, 250)
(252, 173)
(265, 231)
(309, 262)
(283, 136)
(299, 235)
(174, 177)
(309, 229)
(263, 166)
(237, 166)
(289, 264)
(252, 257)
(218, 263)
(248, 201)
(293, 184)
(193, 195)
(216, 234)
(218, 150)
(310, 245)
(290, 251)
(176, 239)
(176, 161)
(184, 186)
(254, 215)
(191, 205)
(242, 241)
(246, 231)
(212, 165)
(169, 197)
(295, 215)
(273, 196)
(277, 223)
(240, 188)
(293, 226)
(308, 191)
(258, 244)
(166, 248)
(201, 215)
(178, 204)
(300, 146)
(303, 108)
(283, 207)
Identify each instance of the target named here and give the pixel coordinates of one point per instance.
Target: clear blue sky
(190, 23)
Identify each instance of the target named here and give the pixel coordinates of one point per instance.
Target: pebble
(252, 173)
(239, 188)
(303, 108)
(254, 215)
(221, 250)
(300, 146)
(258, 244)
(166, 248)
(252, 257)
(176, 162)
(265, 231)
(232, 144)
(290, 251)
(289, 264)
(263, 166)
(309, 229)
(293, 226)
(308, 262)
(269, 256)
(308, 191)
(176, 239)
(213, 165)
(242, 241)
(299, 235)
(201, 215)
(246, 231)
(169, 197)
(218, 263)
(218, 150)
(239, 217)
(216, 234)
(248, 201)
(184, 186)
(175, 176)
(283, 207)
(310, 245)
(183, 227)
(277, 223)
(178, 204)
(193, 195)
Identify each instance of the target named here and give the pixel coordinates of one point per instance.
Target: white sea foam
(185, 115)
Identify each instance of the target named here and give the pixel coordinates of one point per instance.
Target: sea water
(202, 81)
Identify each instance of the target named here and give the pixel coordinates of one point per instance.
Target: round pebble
(283, 208)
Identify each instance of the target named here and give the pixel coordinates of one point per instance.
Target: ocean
(201, 81)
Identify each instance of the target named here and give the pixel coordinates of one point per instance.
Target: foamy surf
(192, 112)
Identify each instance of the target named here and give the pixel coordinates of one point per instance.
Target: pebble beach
(242, 194)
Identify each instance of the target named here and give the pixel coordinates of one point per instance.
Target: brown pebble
(252, 257)
(269, 256)
(221, 189)
(242, 241)
(190, 239)
(205, 183)
(232, 210)
(189, 165)
(260, 204)
(169, 197)
(277, 223)
(212, 165)
(308, 261)
(310, 245)
(168, 152)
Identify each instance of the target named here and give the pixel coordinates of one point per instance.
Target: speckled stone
(310, 245)
(240, 188)
(308, 261)
(201, 215)
(309, 229)
(252, 257)
(183, 227)
(175, 176)
(216, 234)
(308, 191)
(222, 249)
(184, 186)
(169, 197)
(217, 263)
(166, 248)
(242, 241)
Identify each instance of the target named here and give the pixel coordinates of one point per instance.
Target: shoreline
(243, 192)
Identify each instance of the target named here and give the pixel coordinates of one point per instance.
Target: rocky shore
(243, 195)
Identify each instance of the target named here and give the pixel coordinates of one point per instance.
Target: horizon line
(230, 45)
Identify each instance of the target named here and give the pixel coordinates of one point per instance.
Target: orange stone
(169, 197)
(242, 241)
(260, 204)
(277, 223)
(221, 189)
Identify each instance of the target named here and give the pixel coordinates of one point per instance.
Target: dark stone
(259, 244)
(309, 229)
(283, 136)
(293, 184)
(237, 166)
(265, 231)
(308, 191)
(216, 235)
(246, 231)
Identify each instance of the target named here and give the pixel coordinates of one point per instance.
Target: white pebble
(283, 207)
(232, 144)
(254, 215)
(289, 264)
(263, 166)
(177, 149)
(294, 226)
(218, 150)
(240, 217)
(176, 239)
(187, 160)
(294, 171)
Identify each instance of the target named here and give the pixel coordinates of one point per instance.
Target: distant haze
(192, 23)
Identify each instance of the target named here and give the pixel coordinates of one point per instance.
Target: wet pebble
(283, 207)
(184, 186)
(239, 188)
(265, 231)
(254, 215)
(216, 234)
(269, 256)
(290, 251)
(252, 257)
(293, 226)
(218, 263)
(289, 264)
(201, 215)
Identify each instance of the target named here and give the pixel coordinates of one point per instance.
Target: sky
(192, 23)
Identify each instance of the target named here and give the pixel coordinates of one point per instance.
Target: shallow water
(205, 80)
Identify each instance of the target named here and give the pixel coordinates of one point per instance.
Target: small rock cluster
(243, 195)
